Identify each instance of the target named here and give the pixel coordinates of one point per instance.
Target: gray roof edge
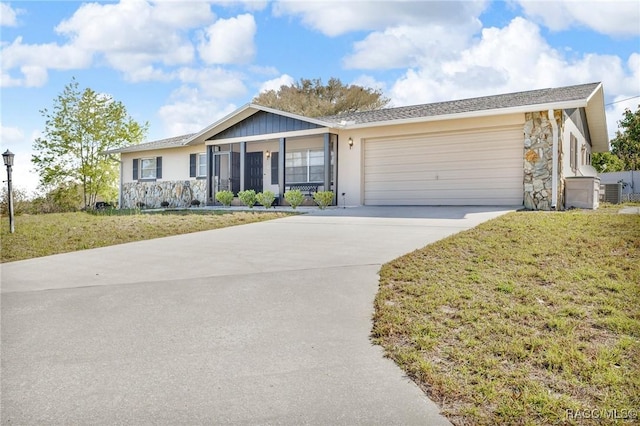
(173, 142)
(471, 114)
(391, 114)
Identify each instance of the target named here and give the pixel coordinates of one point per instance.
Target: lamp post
(7, 157)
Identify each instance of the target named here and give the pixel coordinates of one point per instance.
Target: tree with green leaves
(82, 125)
(311, 98)
(626, 144)
(606, 162)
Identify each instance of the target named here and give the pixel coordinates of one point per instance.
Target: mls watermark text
(600, 413)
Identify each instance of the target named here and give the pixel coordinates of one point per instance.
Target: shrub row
(293, 197)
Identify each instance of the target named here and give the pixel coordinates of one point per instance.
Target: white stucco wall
(583, 148)
(175, 162)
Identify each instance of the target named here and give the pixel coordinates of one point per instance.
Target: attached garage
(474, 167)
(506, 149)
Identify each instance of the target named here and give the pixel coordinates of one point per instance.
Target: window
(202, 165)
(147, 168)
(304, 166)
(573, 153)
(198, 165)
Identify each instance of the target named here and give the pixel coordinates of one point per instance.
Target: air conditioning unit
(612, 193)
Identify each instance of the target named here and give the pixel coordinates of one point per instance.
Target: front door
(253, 171)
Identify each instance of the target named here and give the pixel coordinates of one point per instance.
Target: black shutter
(192, 165)
(274, 168)
(158, 167)
(135, 169)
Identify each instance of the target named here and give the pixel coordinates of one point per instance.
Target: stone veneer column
(538, 160)
(178, 193)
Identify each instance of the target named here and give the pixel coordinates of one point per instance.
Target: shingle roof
(509, 100)
(173, 142)
(485, 103)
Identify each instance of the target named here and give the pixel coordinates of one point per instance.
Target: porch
(306, 162)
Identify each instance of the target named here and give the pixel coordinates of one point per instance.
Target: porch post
(327, 162)
(243, 153)
(210, 200)
(281, 163)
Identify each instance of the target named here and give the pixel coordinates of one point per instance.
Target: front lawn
(531, 318)
(46, 234)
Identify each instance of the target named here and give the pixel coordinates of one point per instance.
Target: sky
(182, 65)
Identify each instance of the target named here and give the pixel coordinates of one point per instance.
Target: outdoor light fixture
(7, 157)
(350, 143)
(268, 154)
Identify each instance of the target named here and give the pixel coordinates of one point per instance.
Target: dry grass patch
(46, 234)
(521, 319)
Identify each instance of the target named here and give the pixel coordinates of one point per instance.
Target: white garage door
(483, 167)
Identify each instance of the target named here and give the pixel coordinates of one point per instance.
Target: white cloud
(33, 60)
(189, 111)
(408, 46)
(263, 70)
(10, 135)
(214, 82)
(229, 41)
(276, 83)
(13, 138)
(368, 81)
(250, 5)
(338, 17)
(8, 15)
(134, 34)
(617, 107)
(512, 58)
(618, 18)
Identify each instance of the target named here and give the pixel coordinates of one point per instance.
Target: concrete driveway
(266, 323)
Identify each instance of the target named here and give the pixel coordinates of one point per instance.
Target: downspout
(554, 166)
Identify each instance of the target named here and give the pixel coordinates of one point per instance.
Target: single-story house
(513, 149)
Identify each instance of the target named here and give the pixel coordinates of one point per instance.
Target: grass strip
(47, 234)
(531, 318)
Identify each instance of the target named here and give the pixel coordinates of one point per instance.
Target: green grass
(521, 319)
(47, 234)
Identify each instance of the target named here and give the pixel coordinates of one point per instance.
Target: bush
(248, 197)
(224, 197)
(323, 198)
(294, 197)
(266, 198)
(21, 202)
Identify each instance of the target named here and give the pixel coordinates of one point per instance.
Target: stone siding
(538, 160)
(152, 194)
